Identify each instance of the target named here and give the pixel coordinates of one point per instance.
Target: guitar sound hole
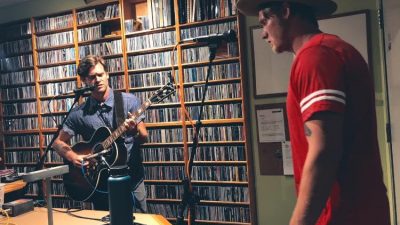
(98, 148)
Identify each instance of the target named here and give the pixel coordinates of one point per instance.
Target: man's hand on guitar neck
(130, 123)
(137, 129)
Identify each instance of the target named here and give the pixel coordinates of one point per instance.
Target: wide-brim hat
(320, 7)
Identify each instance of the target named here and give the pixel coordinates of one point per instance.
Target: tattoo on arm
(307, 131)
(62, 149)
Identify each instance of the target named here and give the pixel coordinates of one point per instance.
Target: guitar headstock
(162, 93)
(156, 97)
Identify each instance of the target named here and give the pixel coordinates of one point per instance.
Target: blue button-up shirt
(85, 119)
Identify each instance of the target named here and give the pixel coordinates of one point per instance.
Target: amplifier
(18, 207)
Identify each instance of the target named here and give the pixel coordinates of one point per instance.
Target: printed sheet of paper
(287, 158)
(271, 125)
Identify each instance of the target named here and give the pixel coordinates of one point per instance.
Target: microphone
(81, 90)
(228, 36)
(95, 155)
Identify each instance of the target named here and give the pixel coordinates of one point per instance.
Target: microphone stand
(189, 199)
(40, 163)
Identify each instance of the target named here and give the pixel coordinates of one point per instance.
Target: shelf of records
(65, 39)
(24, 109)
(16, 141)
(16, 30)
(193, 10)
(201, 54)
(57, 72)
(156, 113)
(95, 32)
(149, 41)
(54, 40)
(204, 174)
(59, 22)
(117, 82)
(206, 192)
(208, 27)
(70, 204)
(115, 65)
(29, 141)
(153, 40)
(30, 157)
(54, 23)
(205, 213)
(98, 14)
(170, 170)
(16, 47)
(151, 60)
(107, 48)
(151, 79)
(16, 63)
(98, 32)
(20, 124)
(215, 91)
(222, 133)
(59, 88)
(56, 105)
(220, 71)
(167, 37)
(23, 93)
(160, 13)
(144, 95)
(9, 79)
(19, 109)
(162, 114)
(223, 153)
(54, 57)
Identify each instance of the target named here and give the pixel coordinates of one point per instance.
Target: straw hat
(321, 7)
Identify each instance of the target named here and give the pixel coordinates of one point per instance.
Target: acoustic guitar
(103, 151)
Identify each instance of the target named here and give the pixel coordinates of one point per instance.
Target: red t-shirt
(330, 75)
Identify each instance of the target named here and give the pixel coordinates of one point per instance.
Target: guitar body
(81, 184)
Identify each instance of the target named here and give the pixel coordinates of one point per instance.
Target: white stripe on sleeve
(321, 98)
(320, 92)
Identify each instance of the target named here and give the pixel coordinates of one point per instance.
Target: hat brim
(320, 7)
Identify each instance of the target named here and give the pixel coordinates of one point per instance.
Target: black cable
(69, 212)
(65, 211)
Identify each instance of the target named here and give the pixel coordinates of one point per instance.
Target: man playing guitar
(99, 111)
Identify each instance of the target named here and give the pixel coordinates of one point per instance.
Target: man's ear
(286, 10)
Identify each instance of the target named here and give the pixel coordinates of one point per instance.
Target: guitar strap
(119, 117)
(118, 108)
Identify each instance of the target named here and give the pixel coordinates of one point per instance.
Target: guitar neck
(124, 126)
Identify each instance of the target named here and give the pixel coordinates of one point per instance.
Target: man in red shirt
(331, 114)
